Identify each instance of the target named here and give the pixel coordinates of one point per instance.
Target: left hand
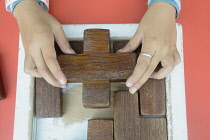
(157, 33)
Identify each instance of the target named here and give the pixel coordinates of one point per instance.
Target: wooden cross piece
(96, 66)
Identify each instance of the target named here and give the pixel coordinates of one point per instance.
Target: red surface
(196, 25)
(8, 66)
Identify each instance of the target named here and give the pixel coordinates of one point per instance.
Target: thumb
(62, 42)
(133, 44)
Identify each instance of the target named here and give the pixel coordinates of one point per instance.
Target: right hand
(38, 31)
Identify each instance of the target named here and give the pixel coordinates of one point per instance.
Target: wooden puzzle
(139, 116)
(73, 123)
(95, 68)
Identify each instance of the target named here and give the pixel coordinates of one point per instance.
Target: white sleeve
(10, 4)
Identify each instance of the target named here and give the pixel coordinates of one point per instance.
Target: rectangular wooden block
(97, 66)
(100, 130)
(96, 94)
(48, 100)
(96, 40)
(153, 98)
(153, 129)
(77, 46)
(2, 92)
(126, 116)
(117, 45)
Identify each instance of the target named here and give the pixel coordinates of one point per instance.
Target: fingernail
(120, 50)
(71, 51)
(129, 84)
(133, 90)
(63, 82)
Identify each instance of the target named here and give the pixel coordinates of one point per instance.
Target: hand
(157, 33)
(38, 31)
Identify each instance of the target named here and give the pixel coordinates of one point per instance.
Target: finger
(142, 63)
(150, 69)
(30, 67)
(133, 43)
(43, 69)
(141, 66)
(49, 56)
(177, 58)
(167, 66)
(61, 39)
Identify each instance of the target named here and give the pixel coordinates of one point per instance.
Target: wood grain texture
(2, 92)
(129, 126)
(96, 63)
(96, 94)
(97, 66)
(48, 100)
(117, 45)
(96, 40)
(100, 130)
(77, 46)
(126, 116)
(153, 129)
(153, 98)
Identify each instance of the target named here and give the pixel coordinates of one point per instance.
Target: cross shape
(96, 67)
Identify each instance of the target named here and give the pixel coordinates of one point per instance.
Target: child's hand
(38, 31)
(157, 33)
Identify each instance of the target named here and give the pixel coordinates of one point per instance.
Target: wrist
(25, 6)
(164, 8)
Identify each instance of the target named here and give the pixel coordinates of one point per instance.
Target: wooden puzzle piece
(96, 63)
(2, 93)
(100, 130)
(128, 125)
(97, 66)
(99, 90)
(96, 40)
(153, 98)
(126, 116)
(153, 129)
(48, 100)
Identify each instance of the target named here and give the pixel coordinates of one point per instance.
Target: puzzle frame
(25, 122)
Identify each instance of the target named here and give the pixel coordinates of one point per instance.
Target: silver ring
(146, 54)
